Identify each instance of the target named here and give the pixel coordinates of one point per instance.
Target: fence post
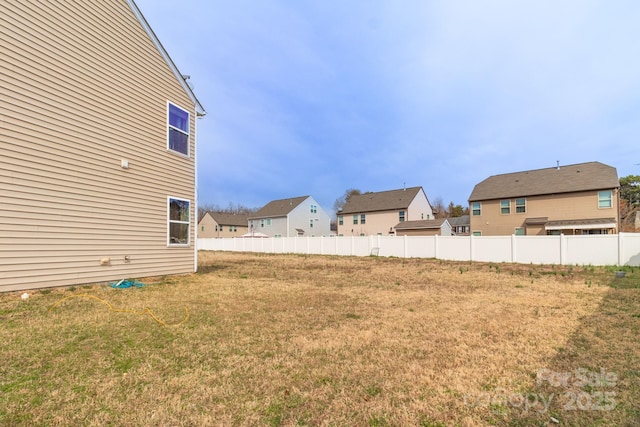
(436, 252)
(620, 248)
(471, 247)
(513, 248)
(562, 247)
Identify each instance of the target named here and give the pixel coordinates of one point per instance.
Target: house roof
(182, 79)
(277, 208)
(460, 220)
(562, 179)
(381, 201)
(226, 218)
(422, 224)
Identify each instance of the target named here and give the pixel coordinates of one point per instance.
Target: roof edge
(200, 111)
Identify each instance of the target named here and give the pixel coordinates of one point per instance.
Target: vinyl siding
(84, 87)
(569, 206)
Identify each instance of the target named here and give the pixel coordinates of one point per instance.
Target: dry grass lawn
(329, 341)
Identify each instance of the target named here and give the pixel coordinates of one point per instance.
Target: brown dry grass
(313, 340)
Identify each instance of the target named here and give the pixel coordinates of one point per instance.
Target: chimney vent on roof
(558, 164)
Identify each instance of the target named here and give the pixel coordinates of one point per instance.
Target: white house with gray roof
(294, 216)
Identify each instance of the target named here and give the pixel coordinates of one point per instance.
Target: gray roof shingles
(381, 201)
(279, 208)
(555, 180)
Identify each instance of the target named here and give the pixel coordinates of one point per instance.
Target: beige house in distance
(378, 213)
(425, 227)
(572, 200)
(222, 224)
(98, 165)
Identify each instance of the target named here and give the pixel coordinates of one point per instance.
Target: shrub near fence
(608, 249)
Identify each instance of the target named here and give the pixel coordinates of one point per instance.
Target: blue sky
(315, 97)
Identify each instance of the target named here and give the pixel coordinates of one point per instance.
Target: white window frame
(523, 206)
(170, 127)
(473, 209)
(401, 216)
(503, 207)
(608, 199)
(173, 221)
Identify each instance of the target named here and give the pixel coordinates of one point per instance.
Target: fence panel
(591, 250)
(623, 248)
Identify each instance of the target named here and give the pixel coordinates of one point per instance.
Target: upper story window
(314, 209)
(521, 205)
(363, 218)
(401, 216)
(505, 207)
(178, 133)
(355, 219)
(341, 220)
(476, 208)
(605, 199)
(179, 221)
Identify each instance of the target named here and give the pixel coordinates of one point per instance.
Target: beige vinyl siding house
(377, 213)
(427, 227)
(222, 224)
(97, 174)
(573, 199)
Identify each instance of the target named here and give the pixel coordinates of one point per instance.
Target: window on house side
(179, 220)
(477, 233)
(363, 219)
(355, 219)
(341, 220)
(519, 231)
(476, 208)
(521, 205)
(178, 139)
(605, 199)
(505, 207)
(401, 216)
(311, 223)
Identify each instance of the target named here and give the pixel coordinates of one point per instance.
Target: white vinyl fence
(608, 249)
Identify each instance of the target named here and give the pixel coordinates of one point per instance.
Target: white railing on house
(609, 249)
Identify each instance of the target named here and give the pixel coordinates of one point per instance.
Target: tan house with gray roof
(223, 224)
(98, 165)
(295, 216)
(426, 227)
(572, 200)
(378, 213)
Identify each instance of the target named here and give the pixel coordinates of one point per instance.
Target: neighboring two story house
(574, 199)
(296, 216)
(98, 166)
(378, 213)
(223, 224)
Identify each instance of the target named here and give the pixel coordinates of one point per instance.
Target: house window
(476, 208)
(505, 207)
(605, 199)
(401, 216)
(477, 233)
(178, 138)
(341, 220)
(202, 228)
(363, 219)
(262, 223)
(314, 209)
(521, 205)
(179, 221)
(310, 223)
(519, 231)
(268, 221)
(355, 219)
